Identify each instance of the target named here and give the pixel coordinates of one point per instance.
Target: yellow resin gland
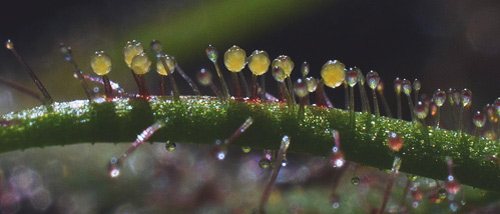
(100, 63)
(259, 62)
(132, 49)
(235, 59)
(141, 64)
(333, 73)
(285, 63)
(170, 61)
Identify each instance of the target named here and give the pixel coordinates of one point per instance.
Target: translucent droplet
(417, 85)
(352, 78)
(114, 171)
(411, 177)
(285, 63)
(398, 85)
(300, 88)
(421, 110)
(304, 69)
(204, 77)
(333, 73)
(66, 52)
(457, 98)
(454, 206)
(235, 59)
(466, 96)
(479, 119)
(396, 164)
(491, 113)
(141, 64)
(373, 79)
(284, 162)
(496, 104)
(100, 63)
(395, 142)
(246, 149)
(452, 187)
(450, 93)
(439, 97)
(170, 146)
(311, 83)
(433, 108)
(212, 53)
(132, 49)
(361, 77)
(278, 74)
(258, 62)
(170, 61)
(380, 87)
(355, 180)
(406, 85)
(221, 152)
(9, 44)
(264, 163)
(442, 193)
(156, 48)
(337, 160)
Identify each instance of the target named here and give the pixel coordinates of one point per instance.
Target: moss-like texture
(202, 120)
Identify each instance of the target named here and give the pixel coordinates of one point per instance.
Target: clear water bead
(395, 142)
(156, 48)
(65, 51)
(355, 180)
(100, 63)
(264, 163)
(457, 98)
(398, 84)
(442, 193)
(406, 85)
(380, 87)
(304, 69)
(212, 53)
(333, 73)
(141, 64)
(361, 77)
(246, 149)
(132, 49)
(373, 79)
(235, 59)
(352, 77)
(439, 97)
(421, 110)
(204, 77)
(285, 63)
(114, 171)
(170, 146)
(417, 85)
(491, 113)
(479, 119)
(258, 62)
(170, 61)
(300, 88)
(337, 160)
(466, 96)
(278, 74)
(311, 83)
(9, 44)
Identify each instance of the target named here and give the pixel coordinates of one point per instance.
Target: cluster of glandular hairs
(367, 137)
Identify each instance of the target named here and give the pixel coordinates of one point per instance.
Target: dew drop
(380, 87)
(100, 63)
(66, 52)
(258, 62)
(352, 78)
(442, 193)
(333, 73)
(132, 49)
(421, 110)
(395, 142)
(300, 88)
(337, 160)
(141, 64)
(304, 69)
(417, 85)
(491, 113)
(170, 61)
(9, 44)
(170, 146)
(451, 96)
(496, 104)
(212, 53)
(411, 177)
(156, 48)
(373, 79)
(246, 149)
(479, 119)
(278, 74)
(312, 84)
(114, 170)
(452, 187)
(284, 162)
(355, 180)
(398, 84)
(285, 63)
(220, 150)
(264, 163)
(235, 59)
(361, 77)
(406, 85)
(204, 77)
(466, 96)
(439, 97)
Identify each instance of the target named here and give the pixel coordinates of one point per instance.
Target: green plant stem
(202, 120)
